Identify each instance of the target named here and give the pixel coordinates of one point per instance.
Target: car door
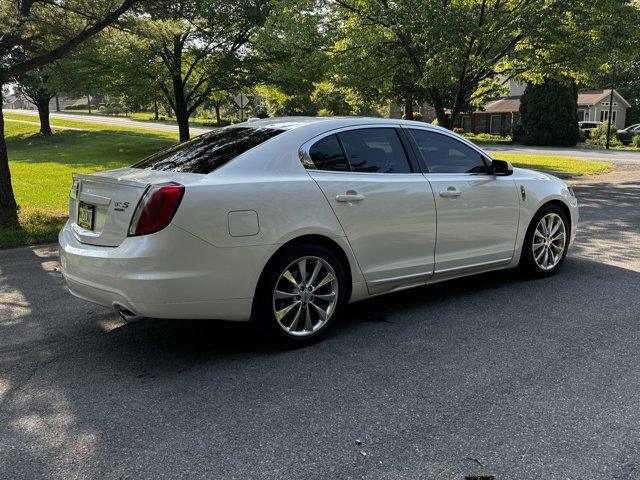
(478, 214)
(385, 206)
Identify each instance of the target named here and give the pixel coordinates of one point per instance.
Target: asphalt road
(111, 121)
(492, 375)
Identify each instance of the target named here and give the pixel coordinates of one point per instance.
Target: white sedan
(283, 221)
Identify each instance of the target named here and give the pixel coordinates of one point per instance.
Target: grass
(92, 127)
(41, 169)
(557, 164)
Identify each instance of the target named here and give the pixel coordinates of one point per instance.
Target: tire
(297, 316)
(533, 260)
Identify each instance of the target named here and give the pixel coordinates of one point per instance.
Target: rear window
(208, 152)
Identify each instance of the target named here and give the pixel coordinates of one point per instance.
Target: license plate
(85, 215)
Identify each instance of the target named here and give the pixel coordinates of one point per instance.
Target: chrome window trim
(305, 157)
(453, 136)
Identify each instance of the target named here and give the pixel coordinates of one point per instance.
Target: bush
(549, 114)
(598, 136)
(517, 132)
(80, 106)
(458, 130)
(636, 141)
(584, 135)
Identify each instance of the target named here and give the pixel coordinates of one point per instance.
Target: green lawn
(556, 164)
(41, 169)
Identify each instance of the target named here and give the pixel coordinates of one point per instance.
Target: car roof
(290, 123)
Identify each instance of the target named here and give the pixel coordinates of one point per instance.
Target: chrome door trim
(401, 278)
(475, 265)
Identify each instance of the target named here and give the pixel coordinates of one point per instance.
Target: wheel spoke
(280, 295)
(314, 274)
(545, 258)
(296, 319)
(321, 312)
(538, 234)
(325, 280)
(308, 324)
(328, 297)
(280, 314)
(537, 246)
(291, 278)
(302, 266)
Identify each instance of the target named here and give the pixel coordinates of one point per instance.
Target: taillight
(156, 209)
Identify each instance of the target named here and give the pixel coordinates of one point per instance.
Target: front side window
(375, 150)
(327, 154)
(208, 152)
(443, 154)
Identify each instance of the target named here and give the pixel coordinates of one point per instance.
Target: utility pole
(613, 86)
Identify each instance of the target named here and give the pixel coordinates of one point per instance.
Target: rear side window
(444, 154)
(208, 152)
(375, 150)
(327, 154)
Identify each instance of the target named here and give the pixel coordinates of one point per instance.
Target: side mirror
(500, 167)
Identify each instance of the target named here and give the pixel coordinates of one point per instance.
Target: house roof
(591, 97)
(503, 105)
(512, 104)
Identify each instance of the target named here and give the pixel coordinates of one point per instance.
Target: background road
(495, 374)
(112, 121)
(616, 156)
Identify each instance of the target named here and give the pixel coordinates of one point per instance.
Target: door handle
(350, 196)
(450, 192)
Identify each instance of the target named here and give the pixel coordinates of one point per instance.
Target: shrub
(584, 135)
(80, 106)
(598, 136)
(517, 132)
(458, 130)
(549, 114)
(636, 141)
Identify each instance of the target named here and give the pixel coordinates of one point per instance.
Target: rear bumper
(170, 274)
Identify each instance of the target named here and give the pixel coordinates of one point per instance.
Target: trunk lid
(112, 197)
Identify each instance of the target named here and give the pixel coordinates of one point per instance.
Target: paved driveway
(494, 374)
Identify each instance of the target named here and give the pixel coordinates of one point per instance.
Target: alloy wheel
(549, 241)
(305, 296)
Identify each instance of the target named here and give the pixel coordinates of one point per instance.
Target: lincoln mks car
(283, 221)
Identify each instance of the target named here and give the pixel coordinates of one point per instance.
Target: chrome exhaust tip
(126, 314)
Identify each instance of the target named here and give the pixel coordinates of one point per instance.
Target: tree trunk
(183, 124)
(408, 108)
(57, 103)
(156, 114)
(181, 109)
(216, 105)
(43, 113)
(89, 103)
(8, 206)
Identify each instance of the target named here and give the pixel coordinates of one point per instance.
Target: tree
(34, 34)
(459, 53)
(549, 114)
(187, 52)
(39, 88)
